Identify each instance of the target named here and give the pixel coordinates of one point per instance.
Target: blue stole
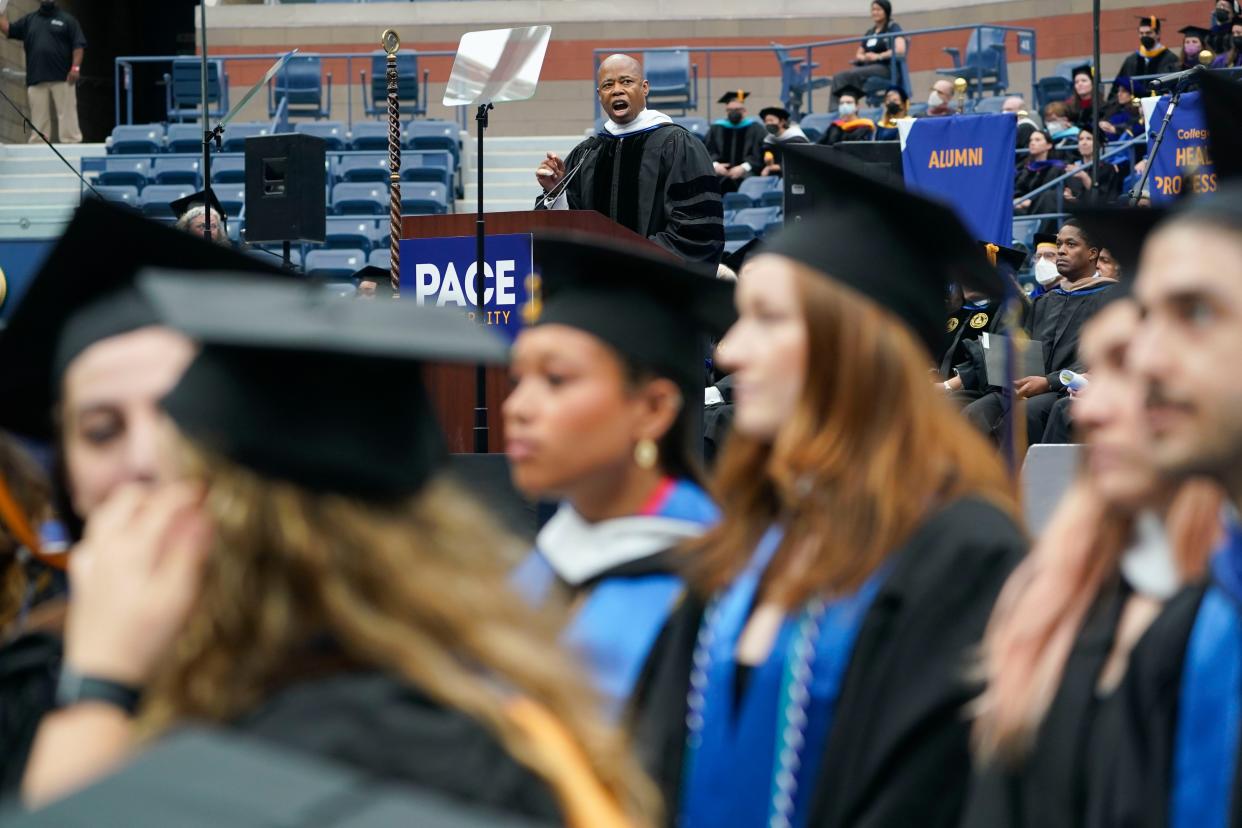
(620, 619)
(1205, 748)
(756, 763)
(1083, 291)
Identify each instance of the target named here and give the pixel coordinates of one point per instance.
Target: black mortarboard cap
(899, 89)
(1222, 110)
(1195, 31)
(203, 197)
(853, 91)
(1149, 20)
(1083, 69)
(371, 273)
(83, 293)
(734, 95)
(923, 247)
(778, 111)
(654, 310)
(1045, 238)
(1121, 230)
(203, 778)
(289, 379)
(1127, 83)
(1008, 260)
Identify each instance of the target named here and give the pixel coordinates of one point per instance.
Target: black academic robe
(29, 667)
(732, 145)
(966, 325)
(658, 182)
(1050, 786)
(774, 147)
(861, 130)
(1137, 788)
(387, 729)
(897, 753)
(1135, 65)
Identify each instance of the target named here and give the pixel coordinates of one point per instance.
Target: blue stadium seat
(360, 199)
(349, 234)
(334, 264)
(737, 232)
(183, 90)
(433, 166)
(816, 124)
(772, 198)
(369, 135)
(696, 126)
(673, 82)
(370, 167)
(796, 78)
(1055, 88)
(732, 246)
(381, 237)
(301, 83)
(758, 218)
(773, 226)
(375, 88)
(1065, 69)
(737, 201)
(156, 198)
(118, 194)
(332, 133)
(185, 138)
(235, 135)
(177, 171)
(435, 135)
(232, 198)
(986, 68)
(379, 258)
(757, 185)
(125, 172)
(137, 139)
(989, 106)
(419, 199)
(228, 169)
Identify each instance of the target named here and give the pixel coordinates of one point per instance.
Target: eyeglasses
(626, 83)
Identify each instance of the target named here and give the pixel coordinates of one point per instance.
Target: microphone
(556, 192)
(1175, 78)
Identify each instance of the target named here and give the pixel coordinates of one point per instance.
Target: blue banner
(966, 161)
(441, 272)
(1185, 149)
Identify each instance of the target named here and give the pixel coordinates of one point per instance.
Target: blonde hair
(850, 478)
(418, 588)
(1047, 598)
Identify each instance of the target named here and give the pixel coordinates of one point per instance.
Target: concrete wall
(12, 81)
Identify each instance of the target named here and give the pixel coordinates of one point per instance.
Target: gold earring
(646, 453)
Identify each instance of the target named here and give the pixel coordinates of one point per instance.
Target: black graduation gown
(732, 145)
(387, 729)
(966, 325)
(1136, 791)
(837, 134)
(658, 182)
(1135, 65)
(898, 752)
(1050, 787)
(29, 667)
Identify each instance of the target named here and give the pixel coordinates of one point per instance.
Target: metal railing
(1027, 49)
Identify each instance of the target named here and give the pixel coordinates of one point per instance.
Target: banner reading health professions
(1185, 148)
(441, 272)
(966, 161)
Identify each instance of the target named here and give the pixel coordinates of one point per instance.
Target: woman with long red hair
(866, 533)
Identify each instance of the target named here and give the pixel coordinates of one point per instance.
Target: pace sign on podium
(441, 272)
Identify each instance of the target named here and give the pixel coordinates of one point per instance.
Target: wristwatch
(75, 688)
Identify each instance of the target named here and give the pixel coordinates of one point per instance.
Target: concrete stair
(37, 192)
(509, 174)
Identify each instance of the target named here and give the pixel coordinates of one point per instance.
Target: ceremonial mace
(391, 44)
(959, 86)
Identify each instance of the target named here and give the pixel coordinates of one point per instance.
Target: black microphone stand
(480, 233)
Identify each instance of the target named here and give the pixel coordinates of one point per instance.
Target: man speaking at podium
(642, 171)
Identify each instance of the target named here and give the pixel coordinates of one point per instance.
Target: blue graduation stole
(1082, 291)
(618, 623)
(1205, 749)
(756, 764)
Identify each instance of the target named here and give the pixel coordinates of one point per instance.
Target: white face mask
(934, 100)
(847, 109)
(1046, 272)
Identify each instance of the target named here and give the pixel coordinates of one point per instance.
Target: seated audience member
(1044, 266)
(191, 213)
(1122, 541)
(1222, 16)
(940, 100)
(1194, 40)
(1039, 169)
(372, 281)
(1082, 189)
(1055, 320)
(1232, 57)
(733, 141)
(896, 107)
(1122, 117)
(1079, 103)
(780, 132)
(1015, 105)
(849, 125)
(262, 582)
(1151, 57)
(1057, 122)
(875, 54)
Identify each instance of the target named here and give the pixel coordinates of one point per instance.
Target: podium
(452, 387)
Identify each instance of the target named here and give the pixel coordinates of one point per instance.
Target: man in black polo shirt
(54, 46)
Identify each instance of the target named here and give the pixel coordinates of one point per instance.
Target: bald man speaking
(641, 170)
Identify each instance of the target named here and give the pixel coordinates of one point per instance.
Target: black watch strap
(75, 688)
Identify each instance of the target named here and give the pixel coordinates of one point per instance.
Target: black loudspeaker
(880, 160)
(285, 195)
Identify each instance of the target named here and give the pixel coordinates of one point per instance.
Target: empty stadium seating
(184, 90)
(156, 198)
(137, 139)
(332, 132)
(301, 84)
(132, 172)
(986, 67)
(375, 88)
(179, 170)
(673, 82)
(359, 199)
(334, 264)
(418, 199)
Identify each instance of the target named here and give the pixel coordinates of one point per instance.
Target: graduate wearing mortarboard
(865, 534)
(301, 575)
(192, 215)
(605, 417)
(1194, 41)
(849, 125)
(1152, 57)
(86, 362)
(734, 140)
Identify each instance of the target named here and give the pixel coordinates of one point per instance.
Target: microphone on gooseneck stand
(1174, 78)
(556, 192)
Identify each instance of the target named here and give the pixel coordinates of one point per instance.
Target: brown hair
(869, 452)
(1056, 109)
(30, 492)
(418, 588)
(1046, 600)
